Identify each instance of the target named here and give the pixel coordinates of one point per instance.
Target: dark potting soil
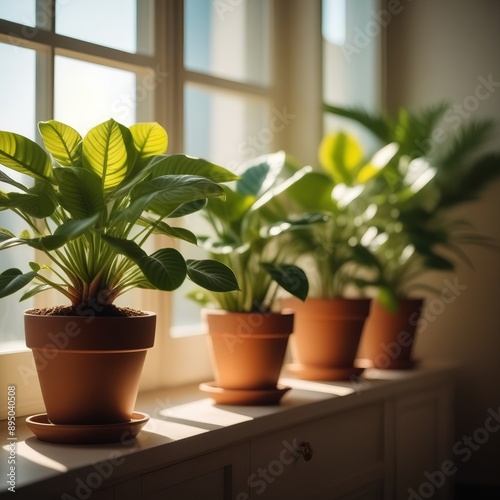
(99, 311)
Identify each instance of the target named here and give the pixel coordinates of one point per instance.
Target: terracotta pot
(328, 331)
(247, 349)
(89, 368)
(388, 338)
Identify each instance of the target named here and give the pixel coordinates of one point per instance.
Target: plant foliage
(91, 204)
(247, 232)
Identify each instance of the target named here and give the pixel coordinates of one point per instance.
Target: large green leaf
(35, 203)
(13, 280)
(164, 269)
(128, 248)
(260, 174)
(189, 208)
(233, 207)
(149, 139)
(63, 142)
(161, 227)
(108, 150)
(81, 191)
(314, 192)
(179, 164)
(212, 275)
(23, 155)
(66, 232)
(162, 195)
(340, 155)
(291, 278)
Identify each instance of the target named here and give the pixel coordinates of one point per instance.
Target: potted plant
(409, 227)
(330, 323)
(89, 205)
(247, 335)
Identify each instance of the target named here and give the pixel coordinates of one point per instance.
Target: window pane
(227, 130)
(19, 11)
(228, 39)
(87, 94)
(351, 44)
(351, 55)
(17, 105)
(112, 23)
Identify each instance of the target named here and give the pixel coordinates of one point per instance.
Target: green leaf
(149, 139)
(260, 174)
(108, 150)
(304, 221)
(62, 142)
(25, 156)
(13, 280)
(212, 275)
(340, 155)
(34, 291)
(165, 269)
(162, 195)
(179, 164)
(5, 178)
(314, 192)
(128, 248)
(380, 126)
(291, 278)
(35, 203)
(189, 208)
(81, 191)
(69, 230)
(233, 207)
(161, 227)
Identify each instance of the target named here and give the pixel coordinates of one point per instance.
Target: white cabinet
(345, 450)
(381, 439)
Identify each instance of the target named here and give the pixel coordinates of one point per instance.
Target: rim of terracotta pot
(263, 324)
(341, 307)
(100, 333)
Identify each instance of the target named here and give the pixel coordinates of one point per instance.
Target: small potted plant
(247, 336)
(330, 322)
(89, 206)
(409, 227)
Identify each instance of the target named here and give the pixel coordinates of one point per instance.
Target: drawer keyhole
(306, 451)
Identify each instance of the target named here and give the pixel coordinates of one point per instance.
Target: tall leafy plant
(91, 203)
(247, 232)
(405, 205)
(340, 261)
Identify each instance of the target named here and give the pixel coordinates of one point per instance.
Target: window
(228, 79)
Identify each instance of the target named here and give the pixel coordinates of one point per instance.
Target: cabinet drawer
(219, 476)
(343, 445)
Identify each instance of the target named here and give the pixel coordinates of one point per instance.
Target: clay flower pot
(388, 338)
(88, 367)
(247, 349)
(326, 337)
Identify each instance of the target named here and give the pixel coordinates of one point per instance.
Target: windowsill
(184, 423)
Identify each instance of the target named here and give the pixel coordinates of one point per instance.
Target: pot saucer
(321, 373)
(45, 430)
(394, 364)
(243, 396)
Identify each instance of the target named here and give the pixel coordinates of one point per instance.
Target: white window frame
(295, 53)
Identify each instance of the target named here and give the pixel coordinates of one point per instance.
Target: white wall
(443, 49)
